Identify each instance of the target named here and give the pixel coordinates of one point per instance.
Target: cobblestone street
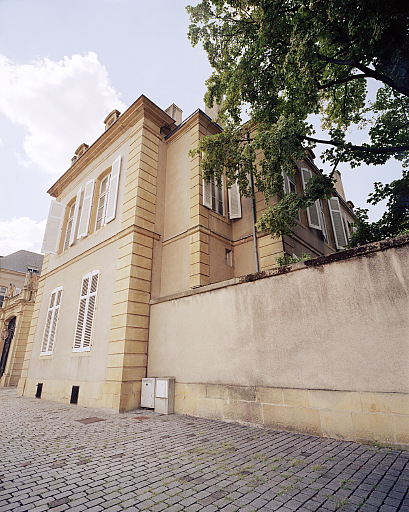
(65, 457)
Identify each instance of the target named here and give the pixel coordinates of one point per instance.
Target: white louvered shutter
(86, 312)
(323, 223)
(313, 211)
(286, 183)
(113, 190)
(234, 202)
(337, 223)
(207, 194)
(86, 209)
(53, 228)
(50, 329)
(75, 219)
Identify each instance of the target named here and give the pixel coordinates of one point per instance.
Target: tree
(394, 222)
(284, 60)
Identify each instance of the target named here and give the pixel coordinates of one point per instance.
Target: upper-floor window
(217, 198)
(79, 213)
(3, 291)
(102, 202)
(69, 226)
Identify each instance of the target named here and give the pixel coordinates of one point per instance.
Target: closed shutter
(53, 228)
(337, 223)
(86, 312)
(113, 190)
(313, 211)
(207, 194)
(50, 329)
(234, 202)
(75, 219)
(86, 209)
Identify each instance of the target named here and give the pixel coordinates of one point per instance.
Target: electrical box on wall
(148, 393)
(165, 395)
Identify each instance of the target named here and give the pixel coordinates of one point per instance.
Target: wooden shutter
(286, 183)
(234, 202)
(86, 209)
(74, 220)
(53, 228)
(313, 211)
(86, 312)
(113, 190)
(323, 223)
(50, 329)
(337, 223)
(207, 194)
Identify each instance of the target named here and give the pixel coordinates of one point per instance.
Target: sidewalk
(57, 457)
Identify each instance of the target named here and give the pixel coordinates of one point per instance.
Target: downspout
(253, 213)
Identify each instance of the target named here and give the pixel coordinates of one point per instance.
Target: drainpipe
(253, 213)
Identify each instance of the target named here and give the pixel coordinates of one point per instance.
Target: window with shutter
(83, 224)
(313, 211)
(86, 312)
(75, 217)
(70, 228)
(102, 202)
(234, 202)
(113, 191)
(53, 228)
(337, 223)
(50, 329)
(213, 196)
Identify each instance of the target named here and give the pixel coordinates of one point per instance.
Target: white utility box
(165, 395)
(148, 393)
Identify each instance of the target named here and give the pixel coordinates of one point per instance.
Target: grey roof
(19, 261)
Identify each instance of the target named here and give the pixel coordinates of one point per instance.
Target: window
(51, 322)
(107, 196)
(102, 202)
(213, 196)
(3, 291)
(86, 312)
(70, 226)
(290, 185)
(340, 236)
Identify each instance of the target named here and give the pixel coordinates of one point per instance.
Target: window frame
(51, 322)
(84, 326)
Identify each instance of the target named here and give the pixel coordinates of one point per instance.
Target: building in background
(18, 285)
(133, 222)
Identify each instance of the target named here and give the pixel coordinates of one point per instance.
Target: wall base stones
(353, 416)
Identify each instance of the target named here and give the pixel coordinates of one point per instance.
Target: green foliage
(283, 60)
(394, 222)
(286, 259)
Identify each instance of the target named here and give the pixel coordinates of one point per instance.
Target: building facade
(132, 222)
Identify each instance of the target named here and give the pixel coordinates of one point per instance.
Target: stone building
(133, 222)
(18, 278)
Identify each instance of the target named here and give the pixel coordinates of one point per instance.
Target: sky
(64, 65)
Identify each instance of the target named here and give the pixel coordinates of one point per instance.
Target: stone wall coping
(346, 254)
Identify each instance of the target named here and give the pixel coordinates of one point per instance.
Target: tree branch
(371, 73)
(368, 149)
(341, 81)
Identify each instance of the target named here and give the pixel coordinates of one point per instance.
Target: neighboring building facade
(133, 221)
(13, 270)
(18, 278)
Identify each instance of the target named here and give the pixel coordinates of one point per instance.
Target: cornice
(143, 107)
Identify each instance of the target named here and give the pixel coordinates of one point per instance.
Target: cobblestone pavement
(64, 457)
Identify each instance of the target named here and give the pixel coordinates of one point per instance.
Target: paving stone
(140, 460)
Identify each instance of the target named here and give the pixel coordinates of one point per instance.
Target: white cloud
(21, 233)
(60, 104)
